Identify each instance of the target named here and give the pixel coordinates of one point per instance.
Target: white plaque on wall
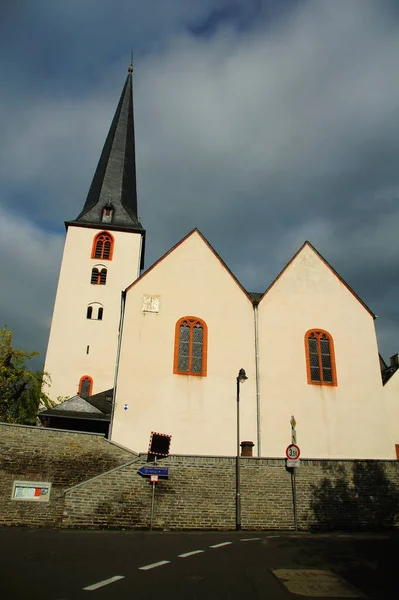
(151, 303)
(31, 490)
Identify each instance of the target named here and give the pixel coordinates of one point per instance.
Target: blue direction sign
(148, 471)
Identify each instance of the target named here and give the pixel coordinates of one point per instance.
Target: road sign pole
(293, 474)
(152, 504)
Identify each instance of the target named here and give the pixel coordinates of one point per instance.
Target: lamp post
(241, 377)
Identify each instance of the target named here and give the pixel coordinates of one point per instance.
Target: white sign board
(153, 478)
(31, 490)
(293, 463)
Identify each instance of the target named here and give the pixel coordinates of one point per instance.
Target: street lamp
(241, 377)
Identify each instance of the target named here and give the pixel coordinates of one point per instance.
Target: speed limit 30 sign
(292, 452)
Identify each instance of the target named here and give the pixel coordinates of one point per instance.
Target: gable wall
(199, 412)
(347, 421)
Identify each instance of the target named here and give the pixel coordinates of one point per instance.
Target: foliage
(21, 394)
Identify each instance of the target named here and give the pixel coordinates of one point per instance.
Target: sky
(262, 123)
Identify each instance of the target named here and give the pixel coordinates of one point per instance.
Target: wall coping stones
(121, 447)
(86, 481)
(52, 429)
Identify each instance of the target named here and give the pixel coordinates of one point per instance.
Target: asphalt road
(71, 565)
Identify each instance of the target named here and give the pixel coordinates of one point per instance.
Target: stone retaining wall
(96, 485)
(62, 458)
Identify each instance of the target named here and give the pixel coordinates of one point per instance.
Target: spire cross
(130, 69)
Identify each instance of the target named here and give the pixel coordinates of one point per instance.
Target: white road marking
(190, 553)
(153, 565)
(220, 545)
(95, 586)
(249, 539)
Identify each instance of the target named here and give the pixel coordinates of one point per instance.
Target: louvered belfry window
(103, 246)
(103, 276)
(320, 358)
(98, 277)
(190, 347)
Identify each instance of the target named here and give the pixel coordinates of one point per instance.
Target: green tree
(21, 394)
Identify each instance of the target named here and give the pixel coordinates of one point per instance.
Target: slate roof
(387, 373)
(114, 181)
(96, 407)
(102, 401)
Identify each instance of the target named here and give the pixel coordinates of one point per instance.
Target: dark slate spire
(112, 199)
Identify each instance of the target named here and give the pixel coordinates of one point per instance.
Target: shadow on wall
(362, 497)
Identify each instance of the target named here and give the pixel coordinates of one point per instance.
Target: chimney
(246, 448)
(395, 360)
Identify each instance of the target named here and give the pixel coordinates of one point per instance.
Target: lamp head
(242, 376)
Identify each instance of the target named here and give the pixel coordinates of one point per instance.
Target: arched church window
(100, 313)
(98, 276)
(89, 312)
(85, 386)
(103, 246)
(320, 358)
(190, 357)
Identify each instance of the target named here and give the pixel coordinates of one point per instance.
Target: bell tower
(103, 254)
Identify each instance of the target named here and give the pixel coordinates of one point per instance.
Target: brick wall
(47, 455)
(96, 485)
(200, 494)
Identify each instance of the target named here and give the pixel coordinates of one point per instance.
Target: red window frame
(99, 250)
(85, 378)
(192, 321)
(318, 334)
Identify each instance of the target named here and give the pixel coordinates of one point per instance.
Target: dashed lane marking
(220, 545)
(95, 586)
(190, 553)
(153, 565)
(249, 539)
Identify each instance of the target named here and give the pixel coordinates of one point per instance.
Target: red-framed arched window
(320, 358)
(85, 386)
(103, 246)
(191, 340)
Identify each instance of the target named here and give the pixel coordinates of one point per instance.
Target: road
(71, 565)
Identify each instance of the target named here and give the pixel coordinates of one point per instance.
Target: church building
(132, 352)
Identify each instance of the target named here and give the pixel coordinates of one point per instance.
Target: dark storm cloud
(263, 136)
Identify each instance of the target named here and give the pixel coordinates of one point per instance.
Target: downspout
(257, 386)
(118, 353)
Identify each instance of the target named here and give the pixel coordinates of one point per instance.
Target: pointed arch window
(320, 358)
(98, 276)
(103, 246)
(85, 386)
(191, 339)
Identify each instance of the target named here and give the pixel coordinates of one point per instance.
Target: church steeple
(112, 197)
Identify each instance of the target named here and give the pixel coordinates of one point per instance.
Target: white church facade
(160, 350)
